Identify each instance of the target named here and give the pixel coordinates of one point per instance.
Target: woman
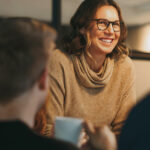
(93, 78)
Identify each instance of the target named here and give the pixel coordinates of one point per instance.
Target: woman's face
(104, 41)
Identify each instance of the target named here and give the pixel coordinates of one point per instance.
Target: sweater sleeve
(128, 98)
(55, 100)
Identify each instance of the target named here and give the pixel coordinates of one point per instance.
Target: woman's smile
(107, 41)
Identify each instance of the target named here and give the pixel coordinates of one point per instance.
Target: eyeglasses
(103, 24)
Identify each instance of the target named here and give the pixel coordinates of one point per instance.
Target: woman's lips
(106, 40)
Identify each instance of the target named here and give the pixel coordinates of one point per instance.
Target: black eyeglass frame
(109, 22)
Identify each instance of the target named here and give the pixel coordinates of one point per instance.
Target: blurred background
(136, 14)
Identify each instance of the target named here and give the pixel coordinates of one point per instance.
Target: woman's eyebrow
(106, 19)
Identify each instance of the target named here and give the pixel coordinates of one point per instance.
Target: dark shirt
(136, 132)
(15, 135)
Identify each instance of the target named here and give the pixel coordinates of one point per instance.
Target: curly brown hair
(75, 42)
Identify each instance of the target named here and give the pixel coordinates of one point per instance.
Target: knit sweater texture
(102, 98)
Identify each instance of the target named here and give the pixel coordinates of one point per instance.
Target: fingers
(100, 137)
(89, 128)
(83, 138)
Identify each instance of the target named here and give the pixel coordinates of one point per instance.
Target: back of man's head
(24, 45)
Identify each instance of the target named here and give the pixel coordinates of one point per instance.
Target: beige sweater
(102, 98)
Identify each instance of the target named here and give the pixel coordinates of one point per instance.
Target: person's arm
(55, 99)
(127, 101)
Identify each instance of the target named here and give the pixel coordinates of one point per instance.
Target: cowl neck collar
(88, 77)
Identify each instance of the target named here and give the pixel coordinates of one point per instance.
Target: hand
(83, 138)
(100, 138)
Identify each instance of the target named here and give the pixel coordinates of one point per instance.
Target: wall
(39, 9)
(142, 77)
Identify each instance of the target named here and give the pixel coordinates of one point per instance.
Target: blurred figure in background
(92, 77)
(136, 132)
(24, 53)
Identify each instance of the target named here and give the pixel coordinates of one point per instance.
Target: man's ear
(43, 79)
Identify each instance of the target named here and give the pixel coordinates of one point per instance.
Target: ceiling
(135, 12)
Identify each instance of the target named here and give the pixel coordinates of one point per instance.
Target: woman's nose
(110, 29)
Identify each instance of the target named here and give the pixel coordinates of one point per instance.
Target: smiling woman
(103, 36)
(92, 77)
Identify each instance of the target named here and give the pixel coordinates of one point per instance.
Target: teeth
(106, 40)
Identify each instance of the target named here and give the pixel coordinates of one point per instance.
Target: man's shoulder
(17, 135)
(52, 143)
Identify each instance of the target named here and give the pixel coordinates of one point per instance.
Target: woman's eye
(102, 22)
(116, 23)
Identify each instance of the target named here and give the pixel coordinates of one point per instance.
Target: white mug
(68, 129)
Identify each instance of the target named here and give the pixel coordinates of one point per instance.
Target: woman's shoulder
(59, 56)
(58, 53)
(125, 67)
(125, 62)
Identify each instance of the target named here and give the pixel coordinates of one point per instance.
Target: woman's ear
(83, 31)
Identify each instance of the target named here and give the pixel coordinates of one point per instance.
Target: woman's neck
(95, 60)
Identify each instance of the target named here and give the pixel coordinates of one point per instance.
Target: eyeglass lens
(104, 24)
